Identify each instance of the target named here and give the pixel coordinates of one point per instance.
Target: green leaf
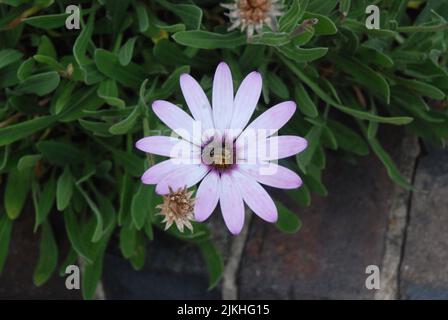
(325, 26)
(17, 187)
(26, 69)
(24, 129)
(126, 124)
(8, 56)
(288, 221)
(98, 128)
(169, 86)
(425, 89)
(142, 16)
(126, 51)
(169, 53)
(64, 189)
(137, 259)
(74, 233)
(116, 14)
(344, 7)
(40, 84)
(301, 195)
(48, 256)
(93, 271)
(354, 112)
(99, 229)
(277, 85)
(132, 163)
(5, 237)
(348, 139)
(126, 193)
(314, 180)
(82, 100)
(387, 161)
(109, 92)
(128, 239)
(209, 40)
(82, 42)
(142, 204)
(291, 17)
(46, 48)
(62, 96)
(49, 21)
(374, 56)
(302, 55)
(71, 259)
(365, 76)
(191, 15)
(130, 75)
(213, 261)
(55, 66)
(304, 102)
(44, 202)
(272, 39)
(28, 161)
(60, 153)
(313, 137)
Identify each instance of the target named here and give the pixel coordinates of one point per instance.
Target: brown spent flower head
(177, 207)
(251, 15)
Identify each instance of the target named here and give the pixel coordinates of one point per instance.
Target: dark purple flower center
(219, 154)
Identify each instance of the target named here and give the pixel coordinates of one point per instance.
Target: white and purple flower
(217, 146)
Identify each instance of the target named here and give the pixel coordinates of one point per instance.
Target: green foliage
(73, 102)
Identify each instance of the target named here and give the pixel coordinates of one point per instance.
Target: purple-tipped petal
(232, 205)
(156, 173)
(272, 174)
(222, 97)
(273, 148)
(197, 101)
(185, 176)
(178, 120)
(246, 100)
(166, 146)
(256, 197)
(207, 196)
(271, 120)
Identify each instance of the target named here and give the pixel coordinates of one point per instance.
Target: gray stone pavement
(424, 270)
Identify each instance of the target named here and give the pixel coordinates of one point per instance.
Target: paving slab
(424, 269)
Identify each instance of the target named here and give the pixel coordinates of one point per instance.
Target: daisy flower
(251, 15)
(217, 147)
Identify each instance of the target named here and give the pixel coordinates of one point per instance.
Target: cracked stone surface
(424, 273)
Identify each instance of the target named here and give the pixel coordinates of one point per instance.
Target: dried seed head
(251, 15)
(177, 207)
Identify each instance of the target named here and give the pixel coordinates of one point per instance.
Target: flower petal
(167, 146)
(197, 101)
(273, 148)
(270, 121)
(222, 97)
(246, 100)
(256, 197)
(156, 173)
(185, 176)
(178, 120)
(272, 174)
(232, 205)
(207, 196)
